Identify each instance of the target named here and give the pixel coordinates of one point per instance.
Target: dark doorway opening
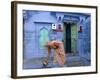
(67, 42)
(70, 37)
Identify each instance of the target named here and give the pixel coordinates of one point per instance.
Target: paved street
(71, 61)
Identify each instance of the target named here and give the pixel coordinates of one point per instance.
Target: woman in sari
(59, 55)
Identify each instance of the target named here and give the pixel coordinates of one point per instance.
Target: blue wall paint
(35, 20)
(85, 39)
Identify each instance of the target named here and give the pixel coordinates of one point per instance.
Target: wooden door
(73, 37)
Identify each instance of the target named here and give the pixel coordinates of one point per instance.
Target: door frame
(71, 21)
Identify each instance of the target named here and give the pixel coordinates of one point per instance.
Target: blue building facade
(74, 30)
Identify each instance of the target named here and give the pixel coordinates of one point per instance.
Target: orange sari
(59, 56)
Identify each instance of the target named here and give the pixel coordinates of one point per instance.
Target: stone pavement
(71, 61)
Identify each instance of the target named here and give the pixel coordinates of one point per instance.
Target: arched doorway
(43, 37)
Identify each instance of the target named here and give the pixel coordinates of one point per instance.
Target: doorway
(70, 37)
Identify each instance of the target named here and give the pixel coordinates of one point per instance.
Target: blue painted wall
(84, 39)
(34, 21)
